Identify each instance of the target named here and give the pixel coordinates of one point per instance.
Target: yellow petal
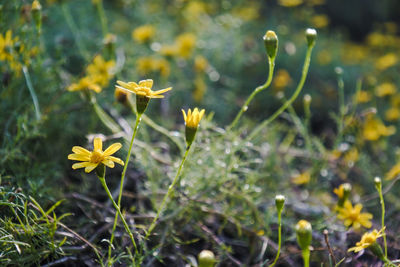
(80, 165)
(108, 163)
(201, 114)
(146, 83)
(78, 157)
(81, 151)
(184, 115)
(123, 84)
(162, 91)
(98, 144)
(115, 159)
(91, 167)
(112, 149)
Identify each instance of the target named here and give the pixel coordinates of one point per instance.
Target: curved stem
(167, 195)
(279, 238)
(103, 18)
(306, 257)
(104, 184)
(121, 186)
(254, 93)
(306, 67)
(383, 218)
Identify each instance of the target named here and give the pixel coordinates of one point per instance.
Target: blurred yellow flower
(192, 119)
(363, 96)
(90, 160)
(194, 9)
(145, 65)
(290, 3)
(101, 70)
(142, 89)
(144, 33)
(386, 61)
(373, 129)
(87, 82)
(185, 44)
(302, 178)
(162, 65)
(351, 156)
(324, 57)
(393, 172)
(200, 89)
(352, 216)
(354, 53)
(385, 89)
(366, 240)
(339, 191)
(282, 79)
(169, 50)
(320, 21)
(200, 64)
(392, 114)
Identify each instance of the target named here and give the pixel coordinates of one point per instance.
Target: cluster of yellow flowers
(9, 51)
(98, 75)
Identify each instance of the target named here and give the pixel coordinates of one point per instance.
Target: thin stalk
(279, 238)
(383, 218)
(32, 92)
(342, 108)
(168, 194)
(255, 92)
(306, 67)
(104, 184)
(121, 186)
(75, 31)
(306, 257)
(103, 18)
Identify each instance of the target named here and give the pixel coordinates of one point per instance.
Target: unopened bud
(141, 103)
(279, 202)
(37, 14)
(271, 44)
(378, 183)
(206, 258)
(307, 99)
(311, 35)
(304, 234)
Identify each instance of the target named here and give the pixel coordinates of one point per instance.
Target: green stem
(306, 257)
(254, 93)
(383, 217)
(342, 108)
(103, 18)
(75, 31)
(306, 67)
(32, 92)
(104, 184)
(168, 194)
(121, 186)
(279, 238)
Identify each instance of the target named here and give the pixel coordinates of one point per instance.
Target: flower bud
(206, 258)
(37, 14)
(377, 250)
(303, 232)
(192, 120)
(141, 103)
(307, 99)
(279, 202)
(311, 35)
(378, 183)
(271, 44)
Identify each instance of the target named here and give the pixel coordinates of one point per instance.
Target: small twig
(325, 232)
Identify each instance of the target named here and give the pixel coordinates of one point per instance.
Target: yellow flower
(385, 89)
(36, 5)
(144, 33)
(362, 96)
(353, 216)
(185, 44)
(90, 160)
(169, 50)
(282, 79)
(290, 3)
(302, 178)
(86, 82)
(200, 64)
(386, 61)
(192, 119)
(200, 89)
(142, 89)
(101, 70)
(339, 191)
(393, 172)
(366, 240)
(373, 129)
(392, 114)
(320, 21)
(6, 45)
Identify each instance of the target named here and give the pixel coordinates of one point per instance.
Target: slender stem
(121, 186)
(306, 257)
(103, 18)
(103, 182)
(168, 194)
(383, 217)
(306, 67)
(279, 238)
(32, 92)
(342, 108)
(254, 93)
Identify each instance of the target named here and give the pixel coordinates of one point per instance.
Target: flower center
(353, 215)
(97, 156)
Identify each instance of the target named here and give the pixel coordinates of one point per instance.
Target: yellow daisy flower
(192, 119)
(366, 240)
(90, 160)
(353, 216)
(142, 89)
